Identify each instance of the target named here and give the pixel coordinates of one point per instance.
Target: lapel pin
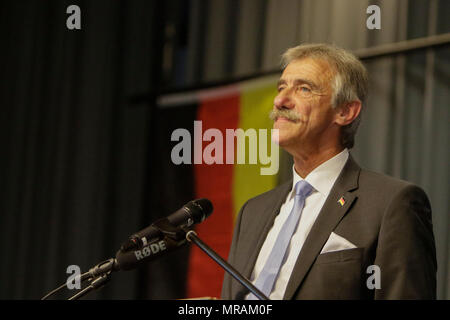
(341, 201)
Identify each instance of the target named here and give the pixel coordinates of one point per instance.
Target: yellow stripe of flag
(255, 105)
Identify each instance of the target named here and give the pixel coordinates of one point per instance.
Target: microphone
(162, 236)
(191, 213)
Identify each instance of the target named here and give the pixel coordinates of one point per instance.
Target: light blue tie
(269, 273)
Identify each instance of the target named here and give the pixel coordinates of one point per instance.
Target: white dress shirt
(322, 179)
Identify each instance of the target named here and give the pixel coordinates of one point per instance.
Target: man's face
(305, 90)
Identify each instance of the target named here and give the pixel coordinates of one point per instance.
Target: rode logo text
(150, 249)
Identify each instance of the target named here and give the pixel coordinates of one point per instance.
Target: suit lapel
(261, 227)
(330, 215)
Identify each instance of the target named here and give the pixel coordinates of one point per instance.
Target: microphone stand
(100, 274)
(97, 283)
(191, 236)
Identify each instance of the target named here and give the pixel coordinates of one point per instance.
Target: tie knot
(303, 188)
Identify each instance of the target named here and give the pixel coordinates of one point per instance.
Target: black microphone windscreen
(206, 207)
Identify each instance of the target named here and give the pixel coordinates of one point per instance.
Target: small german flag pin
(341, 201)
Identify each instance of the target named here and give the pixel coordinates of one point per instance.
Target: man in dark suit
(335, 231)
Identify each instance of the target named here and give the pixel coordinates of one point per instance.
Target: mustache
(284, 113)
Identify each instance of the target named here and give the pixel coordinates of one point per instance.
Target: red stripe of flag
(213, 182)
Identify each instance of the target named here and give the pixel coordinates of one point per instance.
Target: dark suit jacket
(388, 220)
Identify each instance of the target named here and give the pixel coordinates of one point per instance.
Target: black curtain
(76, 152)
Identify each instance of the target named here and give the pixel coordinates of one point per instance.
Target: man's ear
(347, 112)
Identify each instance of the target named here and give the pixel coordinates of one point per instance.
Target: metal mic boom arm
(191, 236)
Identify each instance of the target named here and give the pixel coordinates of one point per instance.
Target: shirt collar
(323, 177)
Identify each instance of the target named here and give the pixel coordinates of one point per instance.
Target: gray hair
(350, 82)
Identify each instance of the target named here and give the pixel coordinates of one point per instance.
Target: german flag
(209, 115)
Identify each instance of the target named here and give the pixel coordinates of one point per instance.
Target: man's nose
(283, 100)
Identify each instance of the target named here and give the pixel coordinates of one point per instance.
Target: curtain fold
(74, 149)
